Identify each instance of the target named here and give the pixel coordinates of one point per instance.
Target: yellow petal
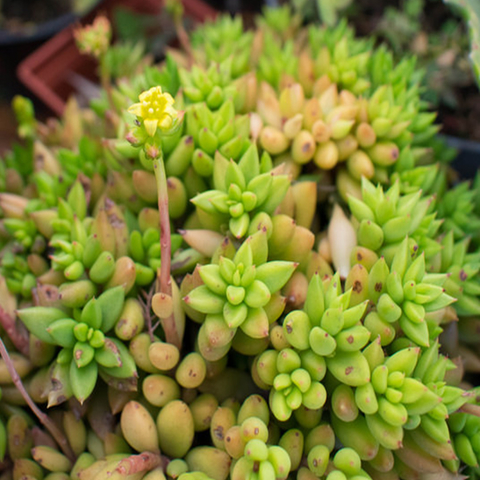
(168, 98)
(171, 111)
(151, 126)
(136, 109)
(165, 122)
(145, 95)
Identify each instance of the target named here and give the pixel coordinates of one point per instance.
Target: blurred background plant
(431, 30)
(437, 36)
(434, 33)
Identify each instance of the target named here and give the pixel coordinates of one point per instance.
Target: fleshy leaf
(275, 274)
(111, 303)
(62, 332)
(38, 319)
(83, 380)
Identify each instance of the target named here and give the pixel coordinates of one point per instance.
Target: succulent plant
(273, 336)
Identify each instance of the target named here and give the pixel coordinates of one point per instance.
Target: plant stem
(168, 324)
(471, 409)
(146, 303)
(8, 324)
(107, 87)
(44, 419)
(139, 463)
(184, 40)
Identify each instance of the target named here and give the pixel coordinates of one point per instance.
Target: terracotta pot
(48, 71)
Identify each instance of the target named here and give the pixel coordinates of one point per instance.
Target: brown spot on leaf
(357, 287)
(306, 147)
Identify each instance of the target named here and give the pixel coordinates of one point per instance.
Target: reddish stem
(470, 409)
(144, 462)
(184, 40)
(44, 419)
(168, 323)
(20, 341)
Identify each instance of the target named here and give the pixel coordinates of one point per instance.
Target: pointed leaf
(38, 319)
(83, 380)
(108, 355)
(315, 302)
(249, 163)
(128, 368)
(261, 186)
(275, 274)
(204, 300)
(111, 304)
(234, 175)
(62, 332)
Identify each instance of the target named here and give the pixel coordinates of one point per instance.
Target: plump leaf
(38, 319)
(83, 380)
(275, 274)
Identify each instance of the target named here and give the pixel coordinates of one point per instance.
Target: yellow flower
(155, 109)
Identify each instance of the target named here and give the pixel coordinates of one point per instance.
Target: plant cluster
(246, 263)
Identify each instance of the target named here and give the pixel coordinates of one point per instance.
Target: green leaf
(108, 355)
(38, 319)
(61, 384)
(204, 300)
(277, 191)
(111, 303)
(244, 254)
(92, 314)
(83, 380)
(260, 186)
(250, 163)
(275, 274)
(83, 354)
(62, 332)
(128, 369)
(239, 226)
(235, 175)
(314, 305)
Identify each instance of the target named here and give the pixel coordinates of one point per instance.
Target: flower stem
(56, 433)
(106, 84)
(184, 39)
(168, 324)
